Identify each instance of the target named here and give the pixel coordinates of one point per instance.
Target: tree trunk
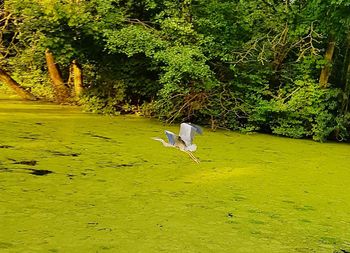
(346, 77)
(61, 91)
(346, 61)
(347, 91)
(186, 10)
(78, 79)
(326, 70)
(70, 82)
(20, 91)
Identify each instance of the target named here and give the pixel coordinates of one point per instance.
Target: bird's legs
(193, 157)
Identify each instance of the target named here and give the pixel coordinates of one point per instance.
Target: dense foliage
(274, 66)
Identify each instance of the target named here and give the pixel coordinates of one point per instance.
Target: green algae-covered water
(79, 182)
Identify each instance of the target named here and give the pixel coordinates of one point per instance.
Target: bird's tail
(191, 148)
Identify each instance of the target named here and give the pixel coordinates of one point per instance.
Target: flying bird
(184, 140)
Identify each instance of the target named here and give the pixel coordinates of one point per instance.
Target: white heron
(183, 141)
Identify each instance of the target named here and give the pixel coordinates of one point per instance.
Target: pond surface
(78, 182)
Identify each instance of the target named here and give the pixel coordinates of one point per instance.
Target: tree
(12, 84)
(61, 91)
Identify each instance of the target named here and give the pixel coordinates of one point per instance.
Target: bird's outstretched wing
(199, 130)
(187, 132)
(171, 137)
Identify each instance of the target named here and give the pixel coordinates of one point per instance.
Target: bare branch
(280, 45)
(137, 21)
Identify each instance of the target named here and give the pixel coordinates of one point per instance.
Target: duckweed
(79, 182)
